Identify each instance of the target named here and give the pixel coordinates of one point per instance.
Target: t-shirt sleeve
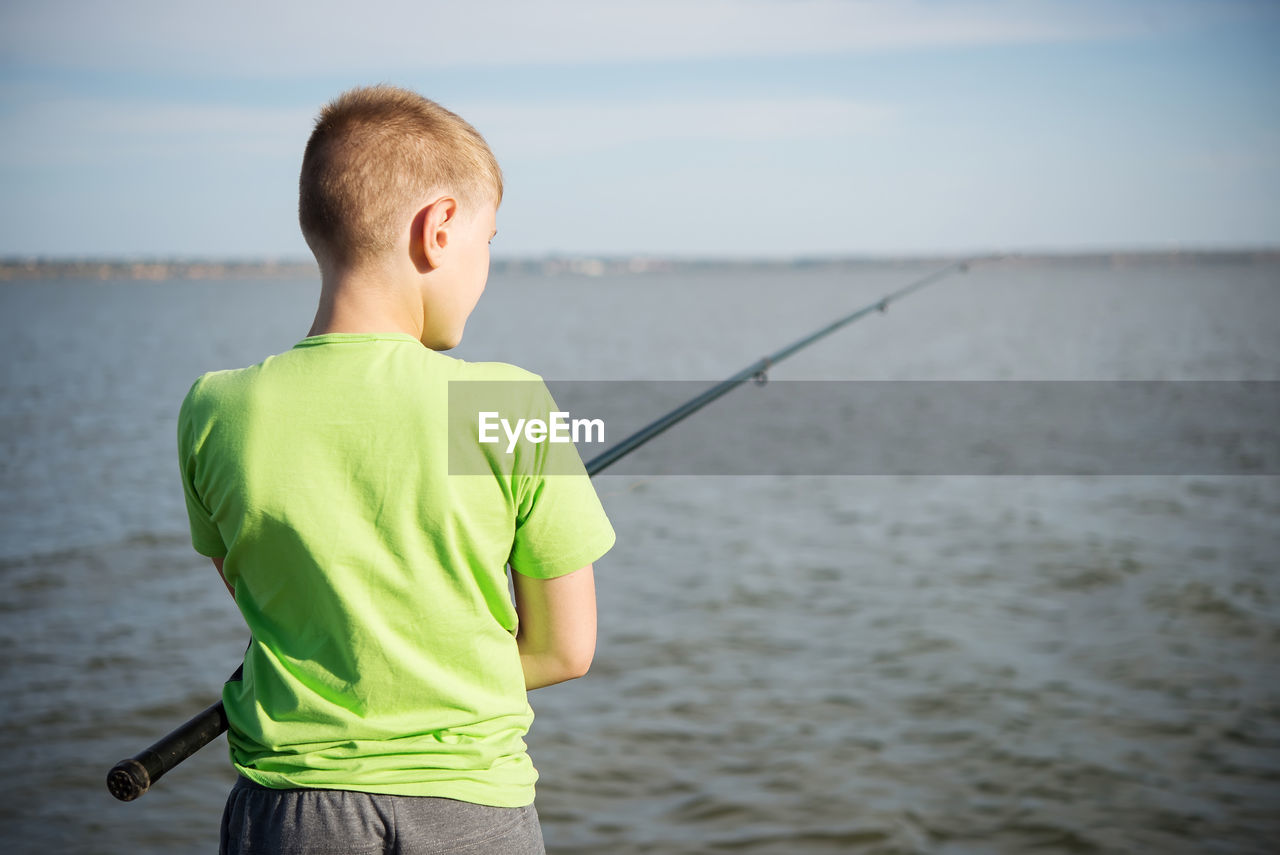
(561, 525)
(205, 537)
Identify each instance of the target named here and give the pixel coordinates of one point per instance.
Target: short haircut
(375, 153)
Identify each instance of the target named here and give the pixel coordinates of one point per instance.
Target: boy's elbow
(580, 664)
(575, 662)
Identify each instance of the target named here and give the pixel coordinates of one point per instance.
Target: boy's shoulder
(498, 387)
(212, 383)
(216, 384)
(500, 371)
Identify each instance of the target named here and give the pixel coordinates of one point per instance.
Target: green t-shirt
(373, 581)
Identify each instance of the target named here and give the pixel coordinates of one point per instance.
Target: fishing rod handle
(133, 776)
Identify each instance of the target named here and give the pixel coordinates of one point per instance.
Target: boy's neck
(350, 303)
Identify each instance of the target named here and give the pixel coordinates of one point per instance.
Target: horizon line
(154, 269)
(25, 259)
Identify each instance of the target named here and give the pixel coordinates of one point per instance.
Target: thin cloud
(83, 130)
(86, 131)
(293, 39)
(517, 130)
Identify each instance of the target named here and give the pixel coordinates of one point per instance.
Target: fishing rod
(758, 370)
(132, 777)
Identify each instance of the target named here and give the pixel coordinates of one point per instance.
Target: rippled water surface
(786, 664)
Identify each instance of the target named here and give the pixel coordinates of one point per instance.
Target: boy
(382, 706)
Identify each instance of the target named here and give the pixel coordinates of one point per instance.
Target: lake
(931, 658)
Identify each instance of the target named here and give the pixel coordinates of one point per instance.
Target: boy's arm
(557, 634)
(217, 562)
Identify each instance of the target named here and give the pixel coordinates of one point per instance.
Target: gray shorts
(258, 819)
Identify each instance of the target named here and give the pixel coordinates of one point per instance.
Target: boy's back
(373, 582)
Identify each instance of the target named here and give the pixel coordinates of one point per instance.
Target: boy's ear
(435, 221)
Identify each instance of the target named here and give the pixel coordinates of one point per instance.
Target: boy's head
(377, 154)
(396, 186)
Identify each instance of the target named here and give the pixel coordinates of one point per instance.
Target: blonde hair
(375, 153)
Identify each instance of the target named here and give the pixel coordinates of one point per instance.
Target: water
(786, 664)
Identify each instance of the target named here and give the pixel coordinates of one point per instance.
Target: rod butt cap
(128, 779)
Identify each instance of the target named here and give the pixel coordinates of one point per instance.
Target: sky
(685, 128)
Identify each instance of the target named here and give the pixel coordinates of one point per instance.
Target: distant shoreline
(152, 269)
